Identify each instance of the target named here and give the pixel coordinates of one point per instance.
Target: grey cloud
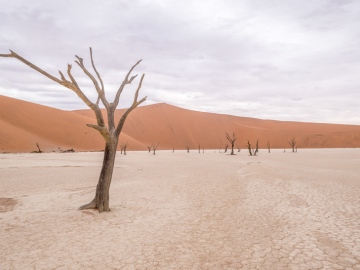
(285, 60)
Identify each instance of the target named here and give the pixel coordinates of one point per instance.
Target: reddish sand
(23, 124)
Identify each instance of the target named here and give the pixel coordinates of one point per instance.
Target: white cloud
(286, 60)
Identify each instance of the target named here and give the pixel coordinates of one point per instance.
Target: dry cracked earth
(183, 211)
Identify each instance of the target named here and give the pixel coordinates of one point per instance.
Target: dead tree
(188, 149)
(199, 147)
(149, 147)
(155, 147)
(109, 132)
(226, 148)
(39, 150)
(268, 146)
(173, 149)
(231, 141)
(292, 143)
(253, 152)
(38, 147)
(123, 147)
(249, 148)
(256, 148)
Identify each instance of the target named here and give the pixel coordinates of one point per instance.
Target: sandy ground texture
(183, 211)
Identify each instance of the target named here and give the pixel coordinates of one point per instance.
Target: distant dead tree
(155, 147)
(226, 147)
(109, 132)
(39, 150)
(253, 152)
(292, 143)
(231, 141)
(123, 147)
(149, 147)
(68, 151)
(268, 145)
(256, 148)
(249, 148)
(199, 147)
(173, 149)
(188, 149)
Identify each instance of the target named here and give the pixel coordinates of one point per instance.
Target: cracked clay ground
(183, 211)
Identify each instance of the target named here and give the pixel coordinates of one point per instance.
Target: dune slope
(23, 124)
(178, 128)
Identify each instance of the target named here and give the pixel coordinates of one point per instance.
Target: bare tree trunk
(38, 147)
(256, 148)
(39, 151)
(231, 141)
(292, 143)
(155, 147)
(249, 148)
(149, 147)
(101, 200)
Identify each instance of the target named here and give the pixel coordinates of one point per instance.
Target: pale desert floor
(183, 211)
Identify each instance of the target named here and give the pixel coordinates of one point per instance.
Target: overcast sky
(271, 59)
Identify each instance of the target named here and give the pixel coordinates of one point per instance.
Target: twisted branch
(133, 106)
(125, 82)
(101, 94)
(64, 82)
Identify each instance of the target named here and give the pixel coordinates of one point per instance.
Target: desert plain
(183, 210)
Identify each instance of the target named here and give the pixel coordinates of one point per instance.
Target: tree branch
(102, 129)
(97, 73)
(125, 82)
(80, 62)
(229, 138)
(64, 82)
(133, 106)
(26, 62)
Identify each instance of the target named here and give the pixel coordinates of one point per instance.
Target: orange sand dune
(23, 124)
(176, 127)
